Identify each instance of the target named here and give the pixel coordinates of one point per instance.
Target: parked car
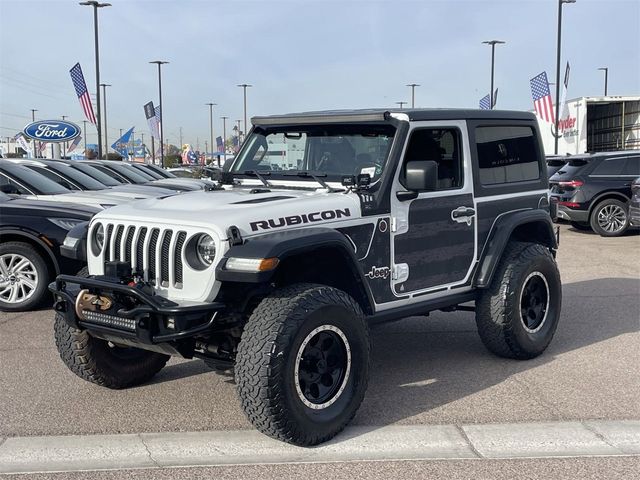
(554, 163)
(73, 179)
(31, 233)
(593, 191)
(18, 179)
(634, 204)
(110, 181)
(175, 180)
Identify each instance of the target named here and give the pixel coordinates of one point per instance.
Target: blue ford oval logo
(52, 131)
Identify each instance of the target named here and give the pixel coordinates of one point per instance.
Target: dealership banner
(22, 143)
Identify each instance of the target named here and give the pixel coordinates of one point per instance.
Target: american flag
(83, 94)
(542, 97)
(485, 102)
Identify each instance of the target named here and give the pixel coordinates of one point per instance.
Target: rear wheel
(24, 277)
(303, 363)
(610, 218)
(518, 314)
(102, 362)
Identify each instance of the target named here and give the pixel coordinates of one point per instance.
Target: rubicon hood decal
(299, 219)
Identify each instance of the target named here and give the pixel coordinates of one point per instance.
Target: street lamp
(413, 93)
(96, 5)
(224, 138)
(606, 78)
(555, 136)
(104, 99)
(160, 63)
(493, 44)
(244, 88)
(401, 104)
(211, 128)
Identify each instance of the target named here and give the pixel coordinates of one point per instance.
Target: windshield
(96, 174)
(128, 173)
(144, 171)
(39, 183)
(333, 151)
(77, 177)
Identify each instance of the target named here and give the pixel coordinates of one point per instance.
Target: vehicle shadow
(420, 365)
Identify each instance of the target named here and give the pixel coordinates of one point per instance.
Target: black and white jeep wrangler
(324, 224)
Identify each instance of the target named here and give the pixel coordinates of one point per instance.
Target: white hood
(94, 199)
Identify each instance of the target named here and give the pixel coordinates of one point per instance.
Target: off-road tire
(498, 309)
(267, 356)
(611, 203)
(41, 292)
(95, 361)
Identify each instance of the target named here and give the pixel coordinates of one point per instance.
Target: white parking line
(248, 447)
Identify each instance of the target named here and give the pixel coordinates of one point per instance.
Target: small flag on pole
(542, 97)
(81, 90)
(485, 102)
(122, 144)
(74, 144)
(219, 144)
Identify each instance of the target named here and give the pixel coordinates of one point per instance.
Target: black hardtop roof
(382, 114)
(598, 155)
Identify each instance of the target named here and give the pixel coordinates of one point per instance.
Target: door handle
(462, 212)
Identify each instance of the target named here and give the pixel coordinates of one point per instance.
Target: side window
(441, 145)
(632, 167)
(613, 166)
(54, 177)
(7, 181)
(507, 154)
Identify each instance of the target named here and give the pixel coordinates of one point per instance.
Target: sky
(301, 55)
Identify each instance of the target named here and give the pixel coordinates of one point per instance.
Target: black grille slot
(107, 242)
(139, 267)
(153, 243)
(164, 259)
(128, 244)
(119, 231)
(177, 262)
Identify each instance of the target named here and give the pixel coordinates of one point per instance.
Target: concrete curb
(248, 447)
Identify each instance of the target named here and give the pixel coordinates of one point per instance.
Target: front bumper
(133, 314)
(634, 214)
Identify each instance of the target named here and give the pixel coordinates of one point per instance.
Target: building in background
(595, 124)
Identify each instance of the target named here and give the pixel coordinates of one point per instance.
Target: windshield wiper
(259, 175)
(315, 176)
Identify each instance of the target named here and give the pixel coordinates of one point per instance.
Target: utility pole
(84, 129)
(401, 104)
(104, 100)
(224, 138)
(33, 142)
(211, 105)
(96, 5)
(555, 135)
(413, 93)
(493, 44)
(244, 88)
(606, 78)
(160, 63)
(64, 144)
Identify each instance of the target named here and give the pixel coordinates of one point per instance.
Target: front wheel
(518, 314)
(24, 277)
(303, 363)
(610, 218)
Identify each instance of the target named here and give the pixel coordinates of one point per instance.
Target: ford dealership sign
(52, 131)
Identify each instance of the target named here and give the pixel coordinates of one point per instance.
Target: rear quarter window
(506, 154)
(613, 166)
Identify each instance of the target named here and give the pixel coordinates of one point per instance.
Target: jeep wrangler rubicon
(325, 223)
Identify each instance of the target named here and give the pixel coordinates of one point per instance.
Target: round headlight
(97, 240)
(206, 249)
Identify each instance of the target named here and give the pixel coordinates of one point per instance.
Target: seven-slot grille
(154, 253)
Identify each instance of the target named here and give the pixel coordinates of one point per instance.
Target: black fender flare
(287, 244)
(32, 237)
(503, 228)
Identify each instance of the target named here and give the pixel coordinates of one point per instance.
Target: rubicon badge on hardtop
(325, 222)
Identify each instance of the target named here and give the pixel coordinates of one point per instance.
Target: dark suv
(593, 191)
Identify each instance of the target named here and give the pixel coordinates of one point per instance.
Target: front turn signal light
(252, 264)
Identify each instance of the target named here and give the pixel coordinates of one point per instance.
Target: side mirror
(9, 189)
(422, 176)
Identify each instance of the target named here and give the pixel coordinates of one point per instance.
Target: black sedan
(31, 233)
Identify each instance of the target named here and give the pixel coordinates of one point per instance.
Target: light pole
(493, 44)
(224, 138)
(84, 128)
(33, 142)
(211, 104)
(606, 78)
(555, 135)
(401, 104)
(96, 5)
(413, 93)
(244, 88)
(64, 144)
(104, 99)
(160, 63)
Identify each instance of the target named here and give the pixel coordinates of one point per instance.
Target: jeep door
(433, 234)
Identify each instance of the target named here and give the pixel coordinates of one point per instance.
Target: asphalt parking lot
(425, 371)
